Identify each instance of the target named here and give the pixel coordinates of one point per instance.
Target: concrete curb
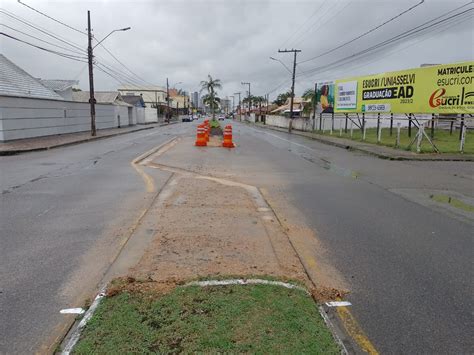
(84, 140)
(380, 155)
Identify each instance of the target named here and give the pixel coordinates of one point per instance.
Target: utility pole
(294, 51)
(91, 74)
(167, 100)
(240, 106)
(233, 104)
(250, 104)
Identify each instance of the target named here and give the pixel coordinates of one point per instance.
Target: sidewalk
(379, 151)
(61, 140)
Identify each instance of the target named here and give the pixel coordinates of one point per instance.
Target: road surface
(405, 259)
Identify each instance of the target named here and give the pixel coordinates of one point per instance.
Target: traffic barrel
(227, 142)
(201, 140)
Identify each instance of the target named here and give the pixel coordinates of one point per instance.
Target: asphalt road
(64, 216)
(407, 260)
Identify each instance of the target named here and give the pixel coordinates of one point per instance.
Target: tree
(309, 94)
(281, 99)
(211, 101)
(210, 86)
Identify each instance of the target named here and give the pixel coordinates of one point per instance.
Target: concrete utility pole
(249, 103)
(294, 51)
(233, 103)
(167, 100)
(240, 106)
(91, 74)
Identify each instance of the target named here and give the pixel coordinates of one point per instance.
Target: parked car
(187, 118)
(221, 117)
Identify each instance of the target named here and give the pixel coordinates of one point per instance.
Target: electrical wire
(41, 40)
(52, 18)
(396, 38)
(65, 55)
(366, 33)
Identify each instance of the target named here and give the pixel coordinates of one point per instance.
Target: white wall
(150, 115)
(26, 118)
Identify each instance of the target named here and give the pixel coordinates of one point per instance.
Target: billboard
(325, 97)
(434, 89)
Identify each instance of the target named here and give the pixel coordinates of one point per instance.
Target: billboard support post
(378, 127)
(461, 127)
(409, 125)
(463, 139)
(321, 121)
(391, 123)
(397, 144)
(340, 128)
(352, 130)
(345, 127)
(432, 125)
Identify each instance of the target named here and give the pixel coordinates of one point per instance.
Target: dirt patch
(206, 229)
(216, 131)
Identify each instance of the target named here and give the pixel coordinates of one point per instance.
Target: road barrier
(227, 143)
(201, 140)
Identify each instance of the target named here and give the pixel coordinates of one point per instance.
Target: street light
(279, 61)
(117, 30)
(90, 55)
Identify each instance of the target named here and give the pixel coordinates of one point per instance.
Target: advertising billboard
(325, 97)
(437, 89)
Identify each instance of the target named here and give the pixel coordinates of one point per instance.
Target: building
(123, 111)
(195, 99)
(28, 108)
(154, 98)
(64, 88)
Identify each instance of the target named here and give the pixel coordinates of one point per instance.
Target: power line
(365, 33)
(303, 24)
(52, 18)
(65, 55)
(403, 35)
(42, 30)
(41, 40)
(320, 24)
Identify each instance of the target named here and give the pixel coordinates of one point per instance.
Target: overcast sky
(232, 40)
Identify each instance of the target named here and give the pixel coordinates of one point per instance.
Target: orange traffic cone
(201, 137)
(227, 143)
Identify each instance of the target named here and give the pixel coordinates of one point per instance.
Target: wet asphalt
(406, 260)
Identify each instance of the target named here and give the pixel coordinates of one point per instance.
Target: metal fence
(417, 127)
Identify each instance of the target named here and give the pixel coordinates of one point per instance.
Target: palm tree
(309, 94)
(211, 101)
(210, 86)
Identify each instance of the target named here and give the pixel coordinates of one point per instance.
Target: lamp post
(240, 105)
(90, 56)
(250, 104)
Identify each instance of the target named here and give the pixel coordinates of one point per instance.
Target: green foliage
(210, 86)
(228, 319)
(281, 99)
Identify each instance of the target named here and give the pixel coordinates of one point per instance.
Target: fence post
(451, 127)
(332, 121)
(421, 128)
(363, 126)
(462, 125)
(379, 131)
(409, 125)
(432, 126)
(345, 127)
(340, 128)
(352, 124)
(364, 131)
(397, 143)
(391, 123)
(324, 118)
(463, 138)
(320, 121)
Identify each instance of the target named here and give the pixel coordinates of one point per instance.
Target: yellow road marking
(149, 182)
(355, 331)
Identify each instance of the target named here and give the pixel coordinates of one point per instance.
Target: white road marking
(246, 282)
(338, 304)
(77, 332)
(72, 311)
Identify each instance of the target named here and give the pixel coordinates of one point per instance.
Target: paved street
(405, 259)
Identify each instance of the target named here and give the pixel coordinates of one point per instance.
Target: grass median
(444, 141)
(234, 318)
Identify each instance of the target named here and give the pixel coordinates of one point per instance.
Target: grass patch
(214, 124)
(453, 202)
(445, 142)
(251, 318)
